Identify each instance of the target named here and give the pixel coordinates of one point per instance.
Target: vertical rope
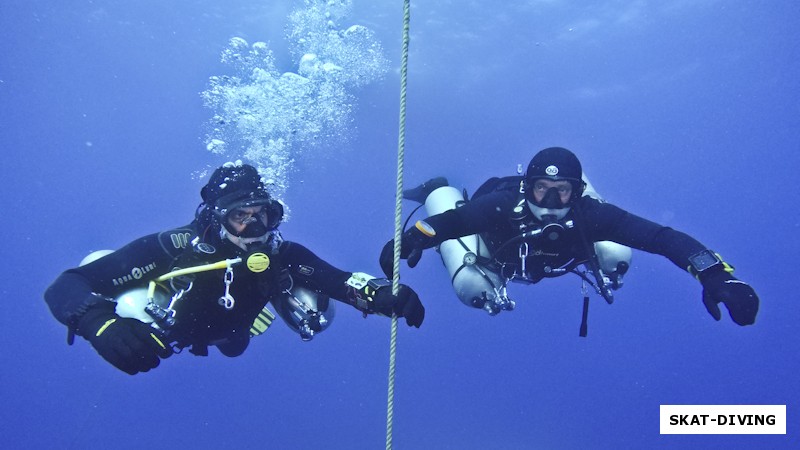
(398, 218)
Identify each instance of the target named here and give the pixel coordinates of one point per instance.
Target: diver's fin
(421, 192)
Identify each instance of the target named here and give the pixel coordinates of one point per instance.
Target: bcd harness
(164, 292)
(531, 232)
(529, 242)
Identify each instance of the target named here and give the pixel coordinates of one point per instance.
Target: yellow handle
(151, 288)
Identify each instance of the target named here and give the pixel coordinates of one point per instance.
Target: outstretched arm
(475, 216)
(80, 298)
(608, 222)
(364, 292)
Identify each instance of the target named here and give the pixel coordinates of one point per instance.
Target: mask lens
(549, 195)
(242, 216)
(552, 199)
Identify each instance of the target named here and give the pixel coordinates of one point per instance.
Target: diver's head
(237, 198)
(553, 183)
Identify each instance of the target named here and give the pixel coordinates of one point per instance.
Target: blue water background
(684, 112)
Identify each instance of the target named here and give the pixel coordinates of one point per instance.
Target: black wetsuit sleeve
(133, 265)
(606, 222)
(476, 216)
(313, 272)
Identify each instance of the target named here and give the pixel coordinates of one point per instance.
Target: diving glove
(414, 241)
(740, 299)
(374, 296)
(128, 344)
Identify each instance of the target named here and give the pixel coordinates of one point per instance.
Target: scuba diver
(547, 223)
(208, 283)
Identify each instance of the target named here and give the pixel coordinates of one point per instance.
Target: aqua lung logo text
(136, 274)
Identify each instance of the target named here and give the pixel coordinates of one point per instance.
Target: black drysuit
(502, 215)
(200, 318)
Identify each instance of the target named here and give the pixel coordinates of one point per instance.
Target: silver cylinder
(305, 311)
(473, 283)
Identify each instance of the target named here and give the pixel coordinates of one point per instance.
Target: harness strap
(593, 262)
(585, 315)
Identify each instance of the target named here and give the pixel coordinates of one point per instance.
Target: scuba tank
(466, 260)
(305, 311)
(134, 303)
(478, 281)
(614, 259)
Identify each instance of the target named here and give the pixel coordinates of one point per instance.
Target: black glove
(376, 297)
(128, 344)
(740, 299)
(413, 243)
(405, 304)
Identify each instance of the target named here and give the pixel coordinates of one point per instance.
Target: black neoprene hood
(234, 184)
(554, 163)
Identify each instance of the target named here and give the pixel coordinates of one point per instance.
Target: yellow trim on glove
(105, 325)
(155, 338)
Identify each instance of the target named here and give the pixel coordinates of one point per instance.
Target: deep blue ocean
(683, 112)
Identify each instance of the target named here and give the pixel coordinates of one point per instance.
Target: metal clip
(227, 300)
(523, 256)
